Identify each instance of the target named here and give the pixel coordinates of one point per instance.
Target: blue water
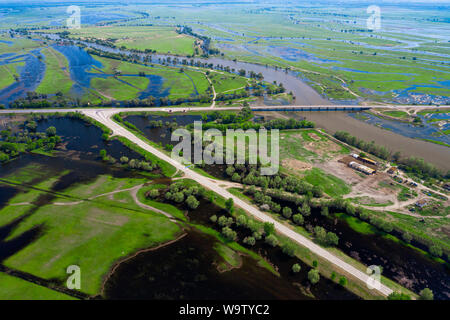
(80, 65)
(407, 129)
(9, 43)
(154, 88)
(294, 54)
(30, 76)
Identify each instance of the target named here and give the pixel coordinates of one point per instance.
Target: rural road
(254, 108)
(104, 117)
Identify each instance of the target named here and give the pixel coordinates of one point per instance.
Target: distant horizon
(227, 1)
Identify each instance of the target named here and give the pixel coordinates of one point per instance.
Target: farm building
(369, 161)
(361, 168)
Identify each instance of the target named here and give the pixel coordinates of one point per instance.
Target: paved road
(104, 117)
(256, 108)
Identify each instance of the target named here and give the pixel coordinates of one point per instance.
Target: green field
(7, 73)
(159, 38)
(13, 288)
(57, 76)
(91, 234)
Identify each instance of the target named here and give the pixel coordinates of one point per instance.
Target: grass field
(7, 73)
(91, 234)
(13, 288)
(57, 76)
(160, 38)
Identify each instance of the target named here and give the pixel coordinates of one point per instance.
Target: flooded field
(188, 269)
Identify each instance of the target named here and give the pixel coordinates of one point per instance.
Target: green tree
(271, 240)
(426, 294)
(241, 221)
(229, 205)
(343, 281)
(296, 268)
(51, 131)
(229, 234)
(154, 193)
(269, 228)
(298, 219)
(332, 239)
(192, 202)
(313, 276)
(249, 241)
(287, 212)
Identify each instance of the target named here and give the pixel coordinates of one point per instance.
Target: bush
(398, 296)
(296, 268)
(213, 218)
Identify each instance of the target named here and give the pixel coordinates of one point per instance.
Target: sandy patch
(295, 164)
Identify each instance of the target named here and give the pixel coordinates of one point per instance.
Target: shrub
(296, 268)
(398, 296)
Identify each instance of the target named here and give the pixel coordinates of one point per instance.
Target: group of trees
(249, 174)
(28, 136)
(179, 193)
(413, 165)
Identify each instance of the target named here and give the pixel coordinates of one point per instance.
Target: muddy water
(305, 95)
(335, 121)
